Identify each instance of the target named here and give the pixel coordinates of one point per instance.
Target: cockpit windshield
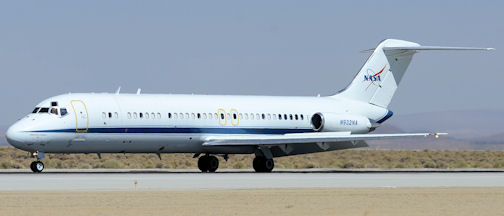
(36, 110)
(43, 110)
(53, 110)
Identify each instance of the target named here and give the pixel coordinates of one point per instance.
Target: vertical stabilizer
(378, 79)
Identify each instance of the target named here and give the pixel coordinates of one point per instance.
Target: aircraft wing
(312, 137)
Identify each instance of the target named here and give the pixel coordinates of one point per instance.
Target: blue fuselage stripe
(160, 130)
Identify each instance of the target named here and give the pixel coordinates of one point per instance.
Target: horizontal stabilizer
(312, 137)
(420, 48)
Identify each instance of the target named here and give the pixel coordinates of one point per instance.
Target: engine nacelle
(332, 122)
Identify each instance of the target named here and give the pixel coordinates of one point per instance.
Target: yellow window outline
(219, 112)
(76, 118)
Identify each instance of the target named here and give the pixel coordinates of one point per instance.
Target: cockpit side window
(36, 110)
(43, 110)
(63, 111)
(54, 111)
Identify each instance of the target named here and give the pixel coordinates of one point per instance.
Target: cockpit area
(54, 109)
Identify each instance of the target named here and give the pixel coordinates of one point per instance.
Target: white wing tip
(436, 135)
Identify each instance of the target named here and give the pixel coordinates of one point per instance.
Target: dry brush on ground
(11, 158)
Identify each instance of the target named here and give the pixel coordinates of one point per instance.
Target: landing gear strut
(37, 166)
(262, 164)
(208, 163)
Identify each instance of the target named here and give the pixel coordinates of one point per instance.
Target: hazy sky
(236, 47)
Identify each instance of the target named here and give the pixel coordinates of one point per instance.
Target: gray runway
(192, 180)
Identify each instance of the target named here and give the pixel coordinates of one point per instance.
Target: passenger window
(36, 110)
(153, 115)
(193, 116)
(141, 115)
(198, 115)
(181, 115)
(187, 115)
(241, 116)
(175, 115)
(302, 117)
(251, 116)
(146, 115)
(169, 115)
(222, 115)
(285, 116)
(116, 115)
(104, 115)
(290, 116)
(274, 117)
(110, 115)
(63, 111)
(280, 116)
(269, 116)
(134, 115)
(246, 116)
(129, 115)
(228, 116)
(257, 116)
(54, 111)
(204, 115)
(296, 116)
(215, 115)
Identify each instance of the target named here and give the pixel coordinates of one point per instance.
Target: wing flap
(300, 138)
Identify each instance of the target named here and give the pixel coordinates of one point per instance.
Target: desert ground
(11, 158)
(323, 201)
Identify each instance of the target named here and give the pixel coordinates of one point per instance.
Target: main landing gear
(208, 163)
(262, 164)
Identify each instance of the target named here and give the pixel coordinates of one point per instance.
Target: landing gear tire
(37, 166)
(203, 164)
(261, 164)
(32, 166)
(208, 163)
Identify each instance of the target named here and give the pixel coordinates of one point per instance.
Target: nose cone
(15, 135)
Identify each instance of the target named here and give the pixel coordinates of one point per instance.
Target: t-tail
(378, 79)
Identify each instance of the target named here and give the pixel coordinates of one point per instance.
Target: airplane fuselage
(163, 123)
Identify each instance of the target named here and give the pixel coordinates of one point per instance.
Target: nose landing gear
(37, 166)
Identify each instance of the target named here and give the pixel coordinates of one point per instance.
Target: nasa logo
(372, 78)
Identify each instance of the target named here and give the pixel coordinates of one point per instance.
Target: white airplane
(267, 126)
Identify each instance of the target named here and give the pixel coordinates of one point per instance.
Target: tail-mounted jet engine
(332, 122)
